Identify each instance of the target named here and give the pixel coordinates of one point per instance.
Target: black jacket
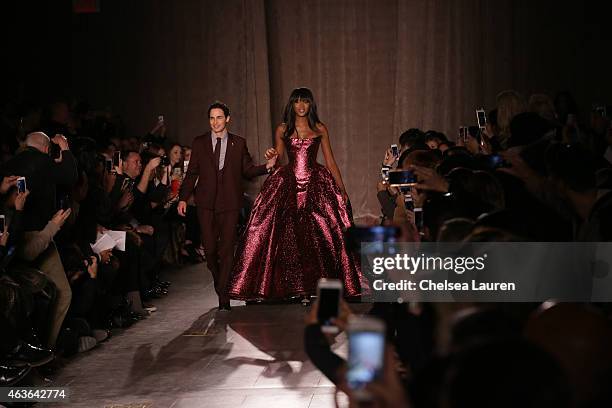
(42, 176)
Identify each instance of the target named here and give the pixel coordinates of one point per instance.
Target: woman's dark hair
(303, 94)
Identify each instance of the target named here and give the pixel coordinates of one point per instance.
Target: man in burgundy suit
(219, 161)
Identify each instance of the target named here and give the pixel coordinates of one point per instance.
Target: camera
(165, 161)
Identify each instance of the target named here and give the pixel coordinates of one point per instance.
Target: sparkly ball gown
(294, 235)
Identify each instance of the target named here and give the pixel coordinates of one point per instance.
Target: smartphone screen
(482, 118)
(366, 357)
(385, 173)
(402, 178)
(21, 185)
(328, 305)
(395, 150)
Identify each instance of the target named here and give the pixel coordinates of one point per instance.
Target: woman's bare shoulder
(322, 128)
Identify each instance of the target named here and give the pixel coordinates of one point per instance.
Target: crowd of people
(89, 220)
(536, 171)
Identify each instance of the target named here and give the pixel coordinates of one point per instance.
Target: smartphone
(185, 166)
(463, 133)
(481, 116)
(116, 159)
(160, 118)
(385, 173)
(418, 218)
(366, 355)
(395, 151)
(329, 293)
(2, 224)
(21, 185)
(108, 165)
(402, 178)
(408, 202)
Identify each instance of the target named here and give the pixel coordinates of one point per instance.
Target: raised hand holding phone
(329, 293)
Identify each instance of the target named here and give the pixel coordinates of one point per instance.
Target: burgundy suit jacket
(238, 165)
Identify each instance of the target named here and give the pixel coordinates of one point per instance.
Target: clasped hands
(271, 157)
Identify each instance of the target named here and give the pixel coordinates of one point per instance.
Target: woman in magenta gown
(294, 235)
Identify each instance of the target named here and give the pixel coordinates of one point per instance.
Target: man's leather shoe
(30, 355)
(10, 375)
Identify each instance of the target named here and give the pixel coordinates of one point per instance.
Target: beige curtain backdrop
(376, 68)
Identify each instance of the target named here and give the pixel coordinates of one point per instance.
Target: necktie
(217, 153)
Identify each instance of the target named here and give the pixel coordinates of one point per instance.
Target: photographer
(133, 193)
(43, 175)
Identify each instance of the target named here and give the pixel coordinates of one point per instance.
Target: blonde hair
(509, 104)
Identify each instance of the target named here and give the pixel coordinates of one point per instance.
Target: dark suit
(219, 197)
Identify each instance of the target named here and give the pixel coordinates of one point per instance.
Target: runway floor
(187, 354)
